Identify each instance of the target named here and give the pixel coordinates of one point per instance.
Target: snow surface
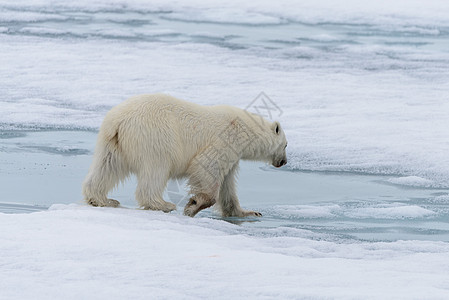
(79, 252)
(391, 211)
(375, 211)
(411, 181)
(308, 211)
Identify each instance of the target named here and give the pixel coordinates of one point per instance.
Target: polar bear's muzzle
(279, 163)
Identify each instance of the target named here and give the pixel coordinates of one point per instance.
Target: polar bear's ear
(276, 127)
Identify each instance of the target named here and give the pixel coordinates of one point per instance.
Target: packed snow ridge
(79, 252)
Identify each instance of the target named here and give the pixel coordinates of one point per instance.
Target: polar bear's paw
(168, 207)
(107, 203)
(250, 213)
(198, 203)
(112, 203)
(162, 206)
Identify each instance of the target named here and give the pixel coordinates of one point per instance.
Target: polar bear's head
(278, 156)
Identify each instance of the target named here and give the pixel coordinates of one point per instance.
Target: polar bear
(159, 137)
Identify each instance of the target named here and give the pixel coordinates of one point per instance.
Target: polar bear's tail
(107, 169)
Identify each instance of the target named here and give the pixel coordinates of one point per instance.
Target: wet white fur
(158, 137)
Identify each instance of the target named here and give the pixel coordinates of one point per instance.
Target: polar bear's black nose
(280, 163)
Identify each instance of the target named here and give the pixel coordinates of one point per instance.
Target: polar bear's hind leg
(107, 170)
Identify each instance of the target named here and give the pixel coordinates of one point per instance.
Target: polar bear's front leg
(206, 172)
(151, 183)
(228, 200)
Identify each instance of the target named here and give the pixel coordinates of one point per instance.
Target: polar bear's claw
(252, 214)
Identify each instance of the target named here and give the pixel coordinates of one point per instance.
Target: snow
(373, 211)
(75, 252)
(391, 211)
(225, 16)
(308, 211)
(384, 12)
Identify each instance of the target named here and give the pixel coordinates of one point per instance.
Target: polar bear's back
(161, 110)
(152, 107)
(166, 128)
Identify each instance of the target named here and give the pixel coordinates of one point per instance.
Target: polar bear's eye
(277, 129)
(285, 146)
